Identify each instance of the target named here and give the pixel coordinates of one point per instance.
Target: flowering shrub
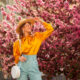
(60, 53)
(61, 50)
(7, 37)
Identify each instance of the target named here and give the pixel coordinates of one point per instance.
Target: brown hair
(21, 32)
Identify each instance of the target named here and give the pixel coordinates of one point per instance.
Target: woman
(26, 54)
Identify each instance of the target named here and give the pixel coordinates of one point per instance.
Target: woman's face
(27, 28)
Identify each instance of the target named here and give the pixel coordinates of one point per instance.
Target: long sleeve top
(31, 44)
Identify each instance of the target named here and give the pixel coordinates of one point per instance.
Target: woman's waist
(28, 53)
(30, 57)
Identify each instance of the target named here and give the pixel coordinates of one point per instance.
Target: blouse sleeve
(47, 33)
(16, 52)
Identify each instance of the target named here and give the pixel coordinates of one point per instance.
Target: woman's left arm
(47, 32)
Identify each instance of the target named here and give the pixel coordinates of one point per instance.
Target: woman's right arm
(16, 52)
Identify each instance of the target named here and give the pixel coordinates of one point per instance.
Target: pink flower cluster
(61, 50)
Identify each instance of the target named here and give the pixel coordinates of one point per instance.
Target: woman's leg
(34, 76)
(23, 76)
(34, 73)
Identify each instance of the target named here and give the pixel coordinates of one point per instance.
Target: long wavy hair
(21, 34)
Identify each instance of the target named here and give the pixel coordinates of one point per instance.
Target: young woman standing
(26, 54)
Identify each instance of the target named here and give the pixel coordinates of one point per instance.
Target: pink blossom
(2, 9)
(8, 17)
(9, 7)
(51, 5)
(66, 4)
(22, 4)
(8, 26)
(14, 9)
(57, 4)
(16, 1)
(19, 17)
(76, 21)
(40, 2)
(4, 22)
(3, 13)
(23, 1)
(59, 22)
(53, 16)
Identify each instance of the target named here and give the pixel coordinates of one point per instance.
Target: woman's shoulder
(16, 42)
(37, 33)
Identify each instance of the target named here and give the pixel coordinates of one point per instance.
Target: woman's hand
(22, 58)
(37, 19)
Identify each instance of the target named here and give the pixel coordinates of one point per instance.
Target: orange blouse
(30, 45)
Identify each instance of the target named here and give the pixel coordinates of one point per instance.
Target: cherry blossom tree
(60, 52)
